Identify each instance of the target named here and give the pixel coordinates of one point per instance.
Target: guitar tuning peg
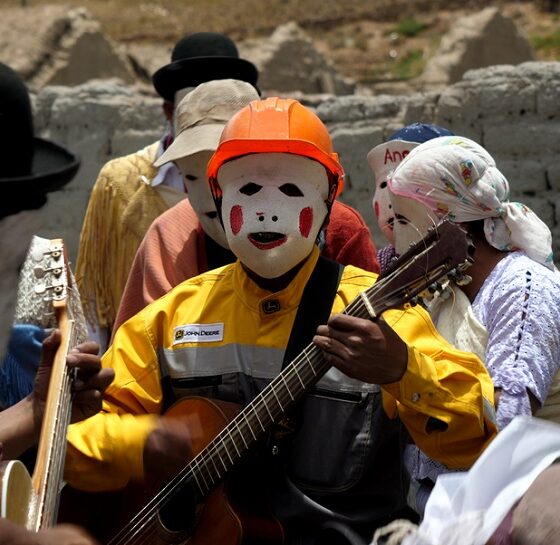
(40, 288)
(459, 277)
(434, 288)
(422, 298)
(58, 291)
(462, 279)
(55, 250)
(40, 272)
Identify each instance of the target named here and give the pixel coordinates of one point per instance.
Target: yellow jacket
(225, 312)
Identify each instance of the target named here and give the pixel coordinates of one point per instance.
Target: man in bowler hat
(130, 191)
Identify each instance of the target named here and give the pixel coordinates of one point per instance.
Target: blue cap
(419, 133)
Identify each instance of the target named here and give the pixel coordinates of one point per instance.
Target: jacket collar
(263, 301)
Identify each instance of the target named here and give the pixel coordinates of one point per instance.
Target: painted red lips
(267, 241)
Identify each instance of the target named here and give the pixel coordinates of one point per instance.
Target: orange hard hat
(277, 125)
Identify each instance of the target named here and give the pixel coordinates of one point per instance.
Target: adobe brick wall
(513, 111)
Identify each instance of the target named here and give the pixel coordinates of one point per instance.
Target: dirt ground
(371, 41)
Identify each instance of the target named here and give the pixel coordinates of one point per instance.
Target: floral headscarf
(458, 179)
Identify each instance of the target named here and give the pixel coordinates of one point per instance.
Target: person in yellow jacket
(224, 335)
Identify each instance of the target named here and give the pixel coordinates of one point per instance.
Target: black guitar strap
(315, 306)
(314, 309)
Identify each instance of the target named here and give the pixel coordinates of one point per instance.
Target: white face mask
(273, 207)
(383, 160)
(412, 221)
(193, 170)
(383, 209)
(16, 232)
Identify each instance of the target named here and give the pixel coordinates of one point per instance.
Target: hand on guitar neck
(90, 382)
(368, 351)
(20, 425)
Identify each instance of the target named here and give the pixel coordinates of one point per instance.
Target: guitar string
(147, 535)
(45, 506)
(356, 308)
(65, 411)
(63, 416)
(54, 459)
(365, 315)
(169, 489)
(60, 448)
(165, 493)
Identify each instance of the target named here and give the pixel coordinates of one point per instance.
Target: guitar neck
(51, 452)
(266, 410)
(443, 250)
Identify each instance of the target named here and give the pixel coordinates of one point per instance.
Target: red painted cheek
(236, 219)
(305, 221)
(376, 208)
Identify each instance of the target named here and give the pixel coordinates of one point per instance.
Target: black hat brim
(194, 71)
(52, 168)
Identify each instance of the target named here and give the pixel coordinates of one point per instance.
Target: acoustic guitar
(194, 507)
(46, 298)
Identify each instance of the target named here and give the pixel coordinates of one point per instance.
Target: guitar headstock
(445, 252)
(46, 285)
(52, 267)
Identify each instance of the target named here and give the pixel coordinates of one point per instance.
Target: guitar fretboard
(47, 507)
(266, 410)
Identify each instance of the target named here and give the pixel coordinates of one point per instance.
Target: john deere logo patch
(198, 333)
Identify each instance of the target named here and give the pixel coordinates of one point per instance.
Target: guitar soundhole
(178, 515)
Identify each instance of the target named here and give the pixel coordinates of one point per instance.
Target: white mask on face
(383, 209)
(273, 207)
(193, 170)
(412, 221)
(383, 160)
(16, 232)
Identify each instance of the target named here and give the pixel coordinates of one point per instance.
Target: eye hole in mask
(250, 189)
(291, 190)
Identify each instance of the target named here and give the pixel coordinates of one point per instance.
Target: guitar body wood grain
(221, 520)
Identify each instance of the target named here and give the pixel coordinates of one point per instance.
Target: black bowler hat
(201, 57)
(30, 167)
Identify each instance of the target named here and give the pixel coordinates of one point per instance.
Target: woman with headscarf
(509, 313)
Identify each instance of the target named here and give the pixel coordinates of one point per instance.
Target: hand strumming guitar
(167, 449)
